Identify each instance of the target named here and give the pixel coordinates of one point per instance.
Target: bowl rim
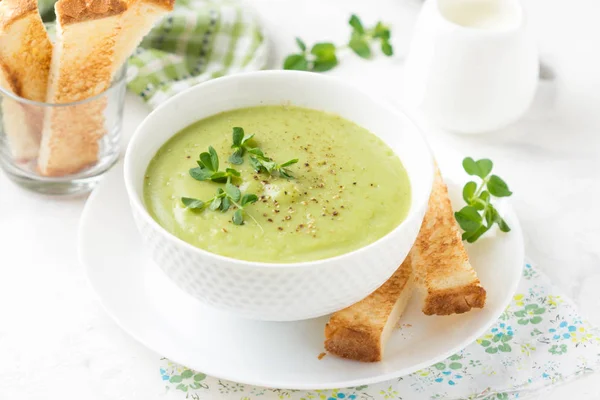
(137, 204)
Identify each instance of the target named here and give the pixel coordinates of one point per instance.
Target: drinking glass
(61, 148)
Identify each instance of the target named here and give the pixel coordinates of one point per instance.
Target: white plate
(149, 307)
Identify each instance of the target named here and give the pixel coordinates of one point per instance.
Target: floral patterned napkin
(539, 340)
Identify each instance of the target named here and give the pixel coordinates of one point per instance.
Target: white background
(56, 341)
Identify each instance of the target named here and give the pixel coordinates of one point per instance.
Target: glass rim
(119, 78)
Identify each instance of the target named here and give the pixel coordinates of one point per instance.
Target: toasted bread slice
(440, 261)
(25, 53)
(137, 21)
(82, 67)
(93, 41)
(361, 331)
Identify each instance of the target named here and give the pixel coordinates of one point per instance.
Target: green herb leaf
(200, 174)
(468, 218)
(247, 138)
(324, 51)
(471, 237)
(267, 164)
(237, 157)
(255, 164)
(288, 163)
(232, 172)
(360, 46)
(238, 136)
(480, 168)
(485, 167)
(502, 224)
(497, 187)
(225, 204)
(482, 201)
(214, 158)
(215, 204)
(470, 166)
(496, 218)
(206, 162)
(480, 215)
(238, 217)
(191, 203)
(381, 32)
(325, 57)
(219, 177)
(485, 196)
(296, 62)
(469, 191)
(356, 24)
(386, 48)
(301, 44)
(248, 199)
(322, 66)
(233, 192)
(208, 165)
(489, 215)
(284, 173)
(322, 56)
(256, 151)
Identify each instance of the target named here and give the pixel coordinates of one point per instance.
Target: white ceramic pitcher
(472, 65)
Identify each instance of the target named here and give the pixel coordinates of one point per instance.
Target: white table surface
(57, 342)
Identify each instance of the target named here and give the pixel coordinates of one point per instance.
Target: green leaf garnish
(240, 144)
(233, 192)
(296, 62)
(248, 199)
(480, 168)
(480, 215)
(360, 46)
(208, 168)
(387, 49)
(258, 160)
(301, 44)
(356, 24)
(238, 217)
(468, 218)
(223, 200)
(238, 136)
(215, 204)
(469, 191)
(200, 174)
(262, 163)
(323, 55)
(191, 203)
(498, 187)
(230, 195)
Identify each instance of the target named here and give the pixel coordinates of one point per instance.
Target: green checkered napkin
(199, 41)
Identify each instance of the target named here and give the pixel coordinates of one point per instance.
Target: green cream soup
(348, 188)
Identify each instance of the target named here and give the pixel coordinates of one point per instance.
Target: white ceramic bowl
(268, 291)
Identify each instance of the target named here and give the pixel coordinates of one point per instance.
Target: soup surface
(348, 188)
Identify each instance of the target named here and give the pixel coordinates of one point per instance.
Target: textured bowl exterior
(279, 292)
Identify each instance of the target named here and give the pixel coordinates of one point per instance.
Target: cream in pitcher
(472, 65)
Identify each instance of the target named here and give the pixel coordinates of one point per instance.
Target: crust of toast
(82, 65)
(440, 261)
(25, 54)
(139, 19)
(75, 11)
(360, 331)
(94, 40)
